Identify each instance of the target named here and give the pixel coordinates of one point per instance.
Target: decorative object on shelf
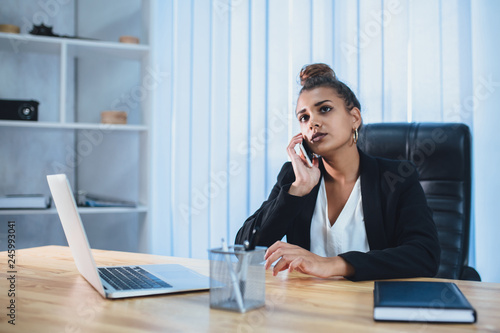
(28, 201)
(129, 40)
(114, 117)
(10, 28)
(85, 199)
(18, 109)
(43, 30)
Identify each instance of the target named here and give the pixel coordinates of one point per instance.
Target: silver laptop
(117, 281)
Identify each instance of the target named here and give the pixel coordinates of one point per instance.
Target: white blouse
(348, 233)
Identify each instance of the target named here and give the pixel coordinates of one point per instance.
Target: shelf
(82, 48)
(81, 210)
(27, 43)
(56, 125)
(76, 47)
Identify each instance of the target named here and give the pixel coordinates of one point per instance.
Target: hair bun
(316, 70)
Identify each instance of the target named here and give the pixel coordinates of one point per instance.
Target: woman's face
(325, 123)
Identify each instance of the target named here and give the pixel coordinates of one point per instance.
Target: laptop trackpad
(178, 276)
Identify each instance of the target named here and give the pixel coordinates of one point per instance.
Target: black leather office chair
(442, 154)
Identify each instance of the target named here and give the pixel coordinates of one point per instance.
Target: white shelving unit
(83, 78)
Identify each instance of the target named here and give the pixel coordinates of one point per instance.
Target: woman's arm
(295, 182)
(276, 213)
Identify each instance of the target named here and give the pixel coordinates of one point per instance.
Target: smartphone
(307, 152)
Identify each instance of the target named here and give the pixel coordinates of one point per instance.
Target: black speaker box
(18, 110)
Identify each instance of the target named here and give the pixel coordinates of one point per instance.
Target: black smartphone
(307, 152)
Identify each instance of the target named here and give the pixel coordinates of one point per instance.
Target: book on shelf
(90, 200)
(24, 201)
(419, 301)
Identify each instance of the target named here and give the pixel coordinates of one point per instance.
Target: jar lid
(10, 28)
(129, 40)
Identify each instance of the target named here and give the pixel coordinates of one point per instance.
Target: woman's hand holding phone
(306, 177)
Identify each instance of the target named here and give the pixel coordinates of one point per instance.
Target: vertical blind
(225, 114)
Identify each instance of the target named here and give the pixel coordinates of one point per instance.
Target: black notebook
(418, 301)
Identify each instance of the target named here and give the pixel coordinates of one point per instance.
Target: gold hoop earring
(355, 136)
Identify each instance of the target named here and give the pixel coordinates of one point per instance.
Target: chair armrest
(470, 274)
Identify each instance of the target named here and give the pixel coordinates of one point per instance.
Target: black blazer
(401, 232)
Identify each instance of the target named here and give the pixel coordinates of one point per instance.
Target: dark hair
(321, 75)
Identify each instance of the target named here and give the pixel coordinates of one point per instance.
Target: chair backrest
(442, 154)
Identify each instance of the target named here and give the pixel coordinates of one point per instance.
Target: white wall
(486, 101)
(225, 116)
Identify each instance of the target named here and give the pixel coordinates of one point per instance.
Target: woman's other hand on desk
(293, 257)
(306, 177)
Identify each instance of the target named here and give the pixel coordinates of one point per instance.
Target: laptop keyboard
(131, 278)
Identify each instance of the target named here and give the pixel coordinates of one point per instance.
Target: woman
(344, 215)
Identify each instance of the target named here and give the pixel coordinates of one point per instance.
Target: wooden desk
(51, 296)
